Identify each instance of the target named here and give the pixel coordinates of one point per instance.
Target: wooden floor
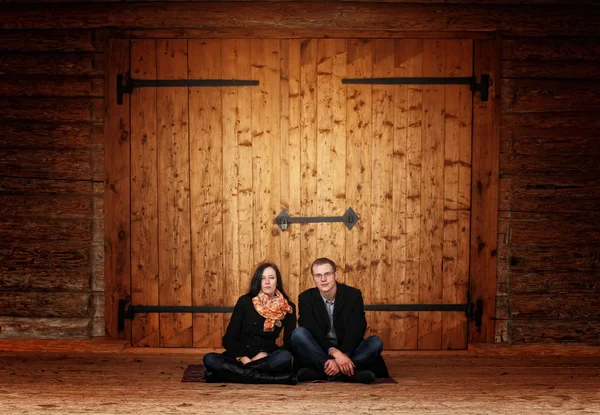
(77, 378)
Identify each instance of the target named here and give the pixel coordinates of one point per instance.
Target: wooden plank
(266, 151)
(51, 279)
(68, 40)
(383, 278)
(51, 86)
(17, 134)
(520, 372)
(73, 255)
(551, 48)
(117, 269)
(484, 225)
(331, 146)
(238, 242)
(432, 196)
(71, 207)
(206, 196)
(144, 200)
(27, 186)
(573, 119)
(569, 140)
(533, 95)
(566, 306)
(44, 328)
(551, 69)
(308, 159)
(47, 164)
(290, 164)
(531, 228)
(532, 20)
(457, 156)
(47, 109)
(51, 63)
(553, 331)
(407, 190)
(554, 283)
(572, 257)
(553, 164)
(551, 194)
(173, 195)
(44, 229)
(40, 304)
(292, 33)
(359, 130)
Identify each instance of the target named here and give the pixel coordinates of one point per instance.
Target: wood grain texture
(293, 33)
(291, 268)
(407, 188)
(117, 238)
(266, 151)
(51, 41)
(50, 135)
(484, 227)
(47, 164)
(35, 279)
(521, 20)
(144, 200)
(432, 194)
(238, 219)
(308, 158)
(174, 195)
(51, 108)
(527, 95)
(359, 130)
(457, 191)
(42, 304)
(52, 63)
(383, 278)
(206, 196)
(44, 328)
(51, 86)
(36, 381)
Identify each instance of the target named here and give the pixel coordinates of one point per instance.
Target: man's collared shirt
(329, 306)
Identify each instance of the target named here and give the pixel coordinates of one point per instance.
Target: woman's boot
(236, 372)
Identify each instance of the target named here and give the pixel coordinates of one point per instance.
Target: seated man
(329, 340)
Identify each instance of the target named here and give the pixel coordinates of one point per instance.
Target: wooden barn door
(211, 167)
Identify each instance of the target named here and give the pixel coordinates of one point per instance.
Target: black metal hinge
(127, 311)
(481, 87)
(283, 220)
(127, 86)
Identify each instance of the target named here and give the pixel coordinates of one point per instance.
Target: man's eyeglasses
(326, 275)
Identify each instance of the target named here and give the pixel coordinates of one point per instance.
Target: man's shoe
(307, 374)
(360, 376)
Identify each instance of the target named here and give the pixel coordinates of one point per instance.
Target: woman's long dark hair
(257, 278)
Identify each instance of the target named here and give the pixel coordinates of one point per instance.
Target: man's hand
(245, 360)
(345, 364)
(331, 368)
(260, 355)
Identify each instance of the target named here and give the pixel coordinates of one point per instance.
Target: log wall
(52, 147)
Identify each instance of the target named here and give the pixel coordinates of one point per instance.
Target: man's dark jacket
(348, 320)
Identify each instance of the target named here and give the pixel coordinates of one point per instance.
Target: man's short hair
(322, 261)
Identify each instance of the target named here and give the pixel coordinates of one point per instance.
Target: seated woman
(251, 354)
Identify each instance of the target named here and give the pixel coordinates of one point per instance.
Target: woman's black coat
(245, 335)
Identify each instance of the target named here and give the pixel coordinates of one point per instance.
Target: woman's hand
(245, 360)
(260, 355)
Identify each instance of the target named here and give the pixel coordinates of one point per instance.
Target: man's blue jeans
(313, 356)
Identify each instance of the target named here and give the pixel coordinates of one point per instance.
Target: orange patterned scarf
(273, 309)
